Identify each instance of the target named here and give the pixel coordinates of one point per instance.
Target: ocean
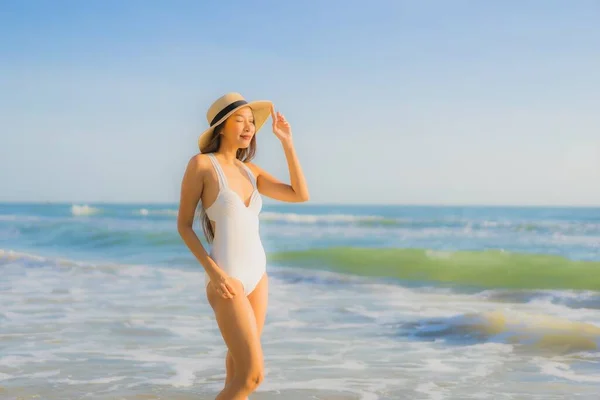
(104, 301)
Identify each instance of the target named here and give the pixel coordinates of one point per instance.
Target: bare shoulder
(261, 173)
(199, 164)
(256, 170)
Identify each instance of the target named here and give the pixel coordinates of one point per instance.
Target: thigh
(259, 301)
(235, 318)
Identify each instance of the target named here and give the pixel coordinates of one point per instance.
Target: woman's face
(239, 128)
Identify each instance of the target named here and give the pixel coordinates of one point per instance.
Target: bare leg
(237, 324)
(229, 368)
(258, 300)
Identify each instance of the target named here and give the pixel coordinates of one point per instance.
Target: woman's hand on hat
(281, 128)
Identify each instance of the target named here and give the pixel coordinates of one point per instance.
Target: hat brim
(261, 110)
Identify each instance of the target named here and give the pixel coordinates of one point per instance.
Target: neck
(228, 153)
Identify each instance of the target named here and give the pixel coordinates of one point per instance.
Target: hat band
(226, 110)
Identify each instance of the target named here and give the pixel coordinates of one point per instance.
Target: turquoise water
(366, 302)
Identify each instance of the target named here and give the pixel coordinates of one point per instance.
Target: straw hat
(226, 105)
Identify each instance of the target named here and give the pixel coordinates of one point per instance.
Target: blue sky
(396, 102)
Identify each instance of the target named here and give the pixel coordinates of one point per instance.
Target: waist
(228, 254)
(237, 243)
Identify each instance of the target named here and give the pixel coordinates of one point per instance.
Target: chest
(231, 188)
(237, 181)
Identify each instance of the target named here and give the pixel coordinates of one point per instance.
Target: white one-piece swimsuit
(236, 247)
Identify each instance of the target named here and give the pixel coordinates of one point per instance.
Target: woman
(229, 187)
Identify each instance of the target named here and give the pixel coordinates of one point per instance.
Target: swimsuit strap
(220, 173)
(250, 175)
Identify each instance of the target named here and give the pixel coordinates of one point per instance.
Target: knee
(253, 379)
(229, 361)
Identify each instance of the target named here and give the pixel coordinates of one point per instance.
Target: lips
(246, 137)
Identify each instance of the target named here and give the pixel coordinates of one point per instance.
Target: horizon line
(307, 204)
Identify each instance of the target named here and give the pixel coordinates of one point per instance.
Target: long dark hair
(213, 145)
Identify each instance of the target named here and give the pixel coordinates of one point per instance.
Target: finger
(227, 289)
(224, 290)
(230, 288)
(273, 116)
